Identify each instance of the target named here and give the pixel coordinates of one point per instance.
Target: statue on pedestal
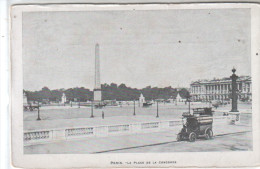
(63, 98)
(141, 99)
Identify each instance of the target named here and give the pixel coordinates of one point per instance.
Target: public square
(226, 137)
(101, 108)
(53, 116)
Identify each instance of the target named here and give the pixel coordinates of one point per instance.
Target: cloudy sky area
(138, 48)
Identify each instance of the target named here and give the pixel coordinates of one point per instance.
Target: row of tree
(109, 92)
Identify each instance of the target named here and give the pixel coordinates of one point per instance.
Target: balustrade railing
(118, 128)
(44, 136)
(149, 125)
(79, 132)
(36, 135)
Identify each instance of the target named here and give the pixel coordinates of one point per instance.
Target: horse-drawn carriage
(196, 125)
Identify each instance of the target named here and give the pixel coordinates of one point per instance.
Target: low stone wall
(52, 135)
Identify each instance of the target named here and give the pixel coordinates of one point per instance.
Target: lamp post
(92, 116)
(134, 108)
(38, 111)
(157, 115)
(234, 113)
(234, 78)
(79, 103)
(223, 100)
(188, 100)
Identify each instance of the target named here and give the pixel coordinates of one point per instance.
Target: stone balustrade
(119, 128)
(52, 135)
(37, 136)
(74, 132)
(150, 125)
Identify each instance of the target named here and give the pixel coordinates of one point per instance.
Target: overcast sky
(138, 48)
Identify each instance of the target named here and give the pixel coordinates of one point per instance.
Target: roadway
(240, 141)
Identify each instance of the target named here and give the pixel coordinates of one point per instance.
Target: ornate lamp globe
(233, 70)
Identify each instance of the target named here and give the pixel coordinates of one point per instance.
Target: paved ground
(63, 117)
(230, 142)
(88, 122)
(148, 142)
(61, 112)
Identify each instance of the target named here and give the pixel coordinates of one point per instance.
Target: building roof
(222, 80)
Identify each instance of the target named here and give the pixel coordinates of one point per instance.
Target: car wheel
(192, 137)
(209, 134)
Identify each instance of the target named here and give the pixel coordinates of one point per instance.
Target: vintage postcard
(151, 85)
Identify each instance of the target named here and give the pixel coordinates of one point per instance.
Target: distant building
(220, 89)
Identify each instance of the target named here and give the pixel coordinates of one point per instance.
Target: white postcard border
(194, 159)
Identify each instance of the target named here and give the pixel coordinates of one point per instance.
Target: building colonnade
(219, 91)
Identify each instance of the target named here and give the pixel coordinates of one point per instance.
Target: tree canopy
(109, 92)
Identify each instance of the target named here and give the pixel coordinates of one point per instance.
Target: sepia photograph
(137, 81)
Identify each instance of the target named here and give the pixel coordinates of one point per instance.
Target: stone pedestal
(97, 95)
(233, 118)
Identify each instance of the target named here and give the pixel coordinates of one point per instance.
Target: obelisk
(97, 89)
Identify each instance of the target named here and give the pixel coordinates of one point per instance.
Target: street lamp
(157, 115)
(188, 100)
(103, 115)
(38, 111)
(92, 116)
(234, 94)
(134, 108)
(234, 113)
(79, 103)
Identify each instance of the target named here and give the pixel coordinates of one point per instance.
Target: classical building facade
(220, 89)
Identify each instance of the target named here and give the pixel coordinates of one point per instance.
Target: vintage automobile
(196, 125)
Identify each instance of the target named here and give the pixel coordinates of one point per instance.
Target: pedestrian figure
(103, 115)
